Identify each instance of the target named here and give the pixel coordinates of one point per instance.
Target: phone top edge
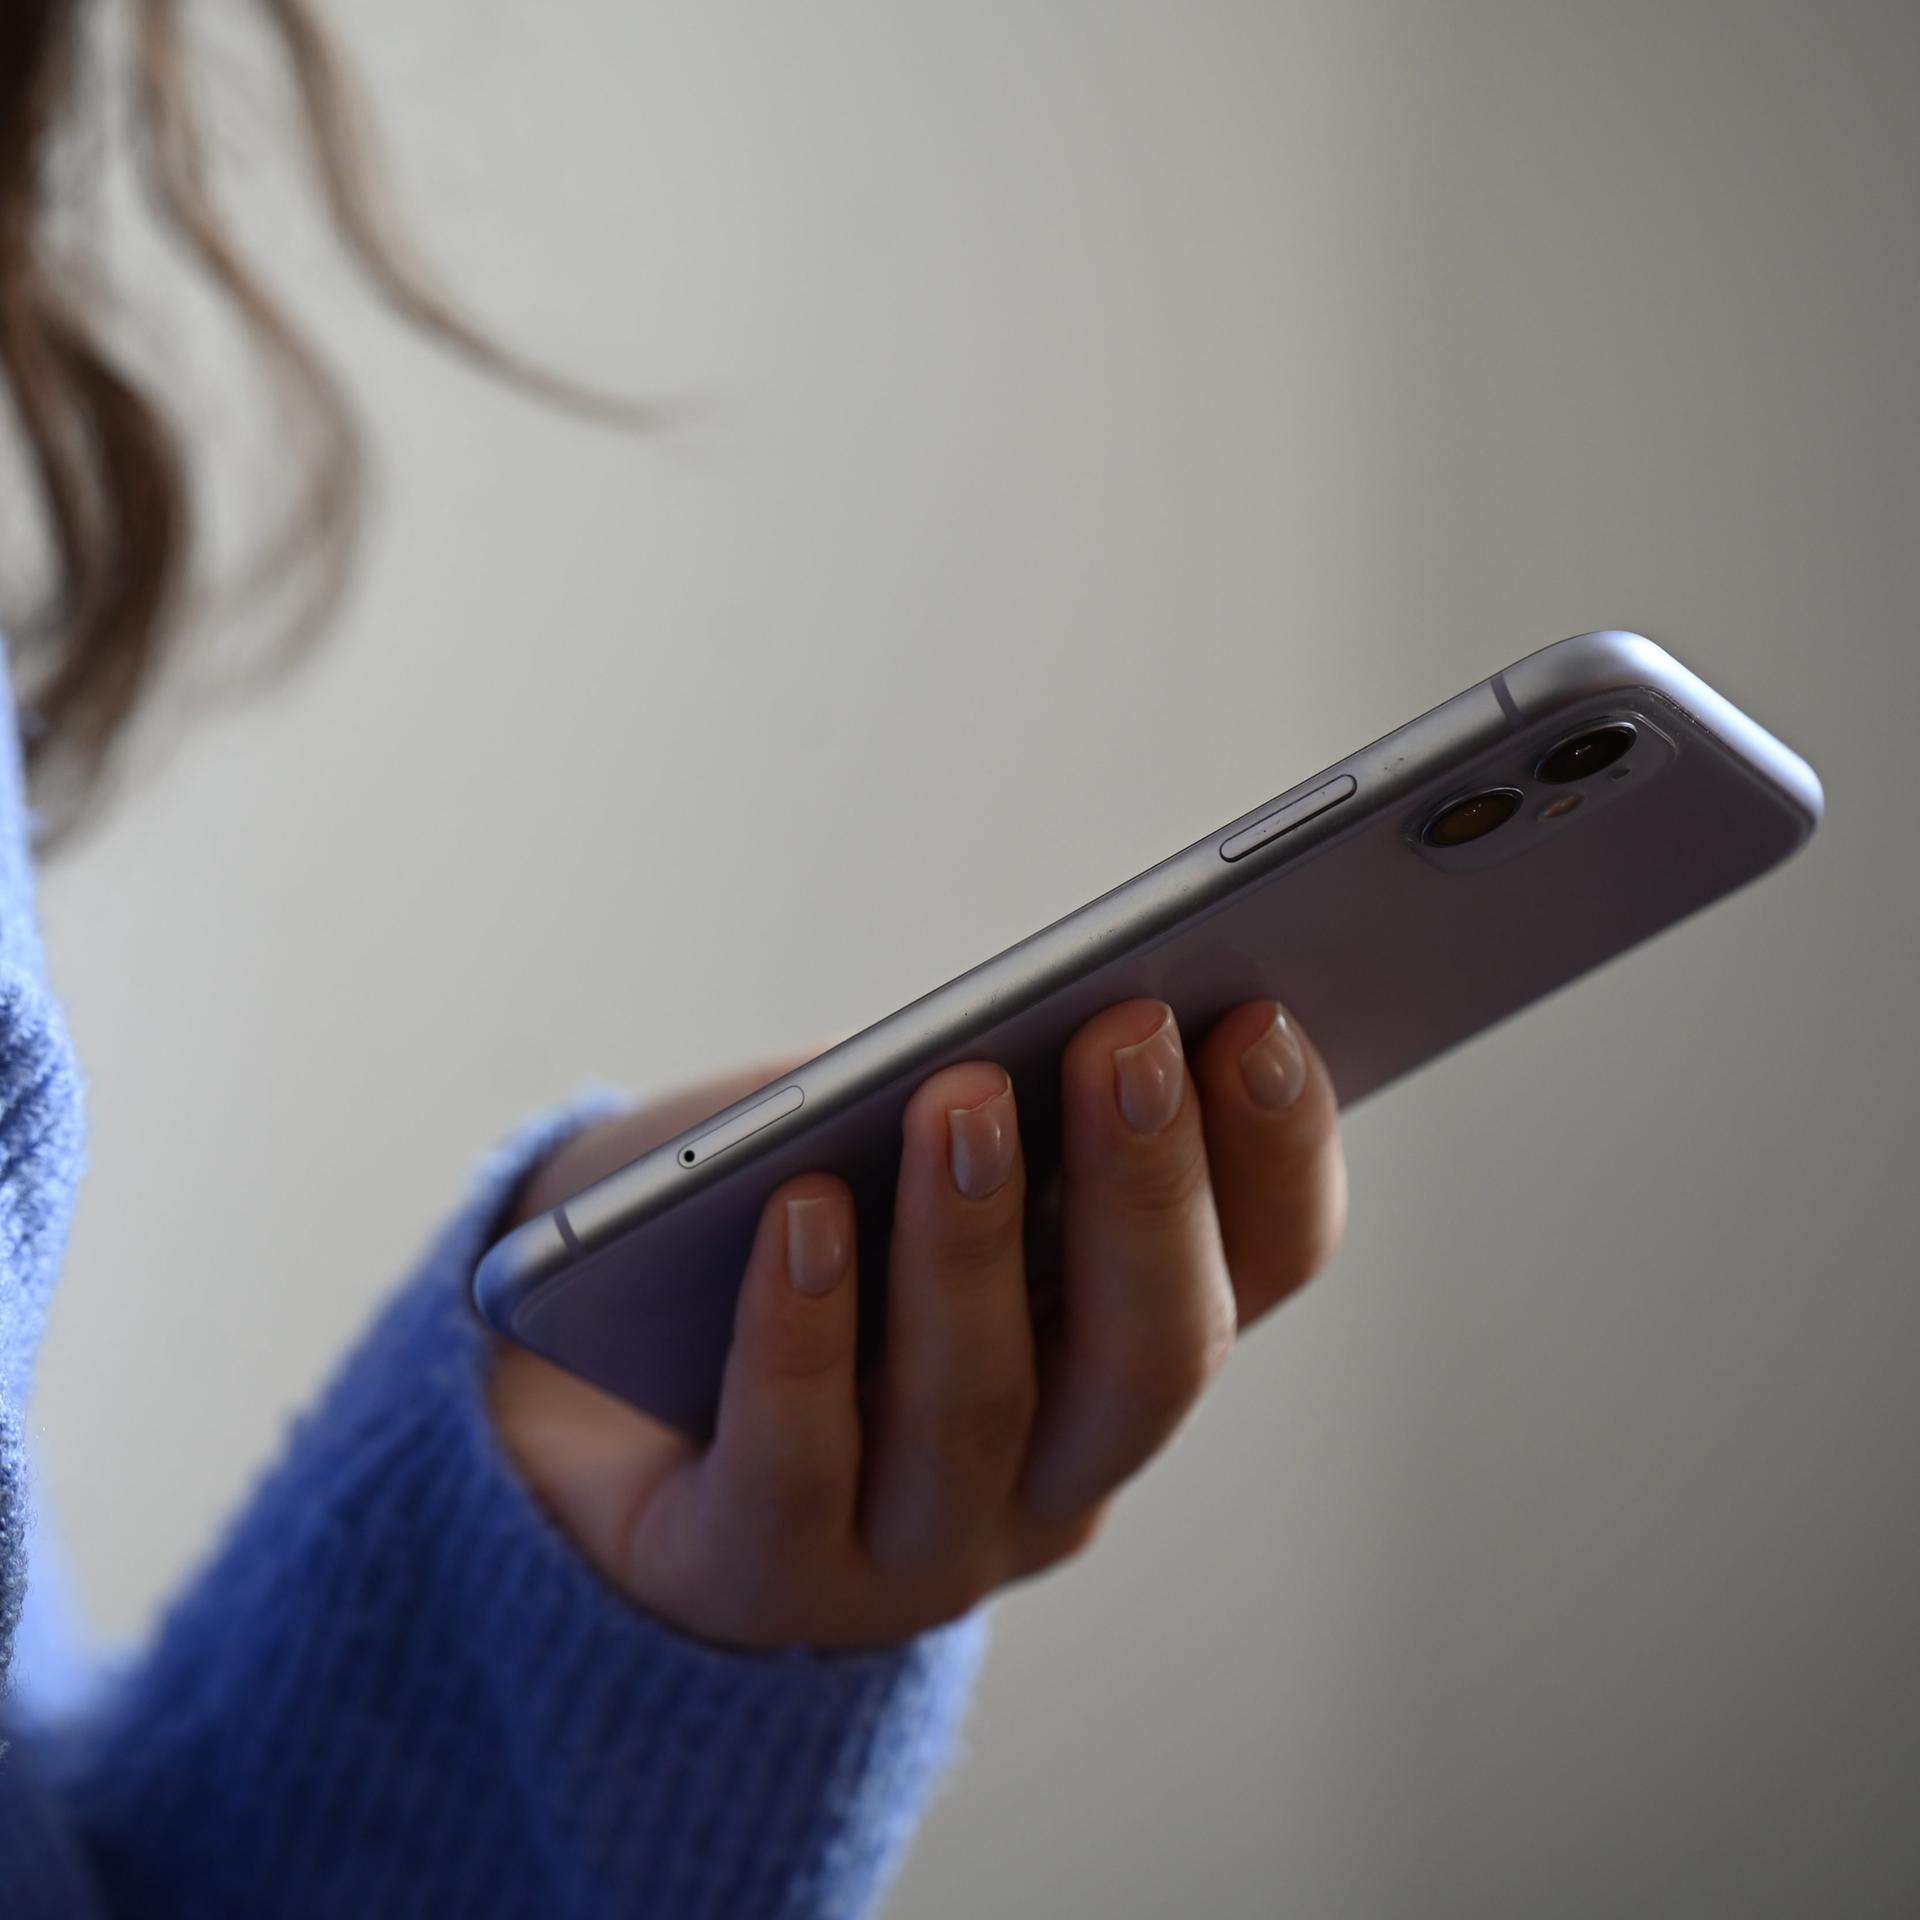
(1611, 660)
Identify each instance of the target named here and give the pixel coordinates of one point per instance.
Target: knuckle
(1169, 1178)
(1278, 1263)
(974, 1237)
(923, 1579)
(781, 1519)
(951, 1594)
(1043, 1544)
(1076, 1536)
(1214, 1340)
(1280, 1273)
(762, 1606)
(1155, 1398)
(1159, 1386)
(801, 1349)
(985, 1423)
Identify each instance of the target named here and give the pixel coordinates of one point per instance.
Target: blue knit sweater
(395, 1689)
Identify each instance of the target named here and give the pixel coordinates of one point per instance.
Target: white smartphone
(1399, 902)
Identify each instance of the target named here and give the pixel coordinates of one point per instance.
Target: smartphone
(1398, 903)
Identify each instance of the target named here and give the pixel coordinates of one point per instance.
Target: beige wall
(1110, 413)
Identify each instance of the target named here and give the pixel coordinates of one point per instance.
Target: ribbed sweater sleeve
(397, 1691)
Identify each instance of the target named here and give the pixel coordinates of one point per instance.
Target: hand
(982, 1450)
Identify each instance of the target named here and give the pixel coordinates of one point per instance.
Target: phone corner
(1614, 661)
(514, 1267)
(1804, 789)
(1586, 665)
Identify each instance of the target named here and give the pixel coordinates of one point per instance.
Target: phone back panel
(1388, 951)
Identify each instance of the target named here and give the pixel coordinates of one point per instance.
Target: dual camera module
(1577, 758)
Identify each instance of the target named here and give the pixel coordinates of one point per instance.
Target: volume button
(1296, 813)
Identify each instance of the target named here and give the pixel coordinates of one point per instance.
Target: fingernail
(816, 1244)
(1275, 1066)
(1150, 1077)
(980, 1143)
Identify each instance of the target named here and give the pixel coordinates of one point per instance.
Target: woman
(486, 1642)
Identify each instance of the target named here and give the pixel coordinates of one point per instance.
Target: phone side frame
(934, 1029)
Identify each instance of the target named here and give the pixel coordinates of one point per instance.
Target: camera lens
(1585, 753)
(1472, 818)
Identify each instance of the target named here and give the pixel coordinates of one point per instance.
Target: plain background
(1106, 414)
